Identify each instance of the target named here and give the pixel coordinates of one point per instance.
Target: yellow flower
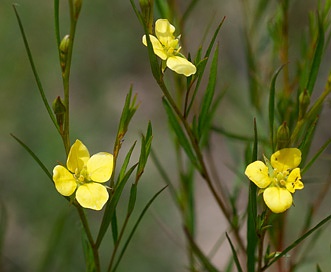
(83, 175)
(277, 179)
(167, 48)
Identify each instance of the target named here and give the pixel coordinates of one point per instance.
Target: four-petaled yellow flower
(83, 175)
(278, 179)
(167, 48)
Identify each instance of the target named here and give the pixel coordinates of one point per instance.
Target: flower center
(170, 46)
(279, 178)
(81, 176)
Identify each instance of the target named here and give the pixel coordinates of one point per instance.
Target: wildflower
(167, 48)
(277, 179)
(83, 176)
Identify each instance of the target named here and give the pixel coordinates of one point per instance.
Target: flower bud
(147, 13)
(77, 6)
(64, 46)
(59, 110)
(304, 101)
(283, 136)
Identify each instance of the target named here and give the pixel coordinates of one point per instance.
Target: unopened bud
(64, 46)
(59, 111)
(304, 101)
(147, 13)
(283, 136)
(77, 6)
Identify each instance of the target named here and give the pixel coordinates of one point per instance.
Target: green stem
(118, 243)
(203, 169)
(89, 237)
(66, 75)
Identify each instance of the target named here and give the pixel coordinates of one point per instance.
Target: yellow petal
(100, 167)
(258, 173)
(181, 66)
(277, 199)
(92, 196)
(285, 159)
(78, 156)
(164, 31)
(293, 181)
(157, 47)
(65, 183)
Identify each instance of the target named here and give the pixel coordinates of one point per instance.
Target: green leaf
(319, 152)
(144, 151)
(114, 227)
(163, 8)
(234, 254)
(204, 116)
(318, 269)
(126, 162)
(112, 204)
(132, 199)
(35, 73)
(163, 174)
(129, 109)
(252, 238)
(298, 241)
(208, 266)
(127, 242)
(272, 106)
(317, 57)
(202, 65)
(184, 142)
(34, 156)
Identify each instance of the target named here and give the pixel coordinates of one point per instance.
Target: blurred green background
(40, 231)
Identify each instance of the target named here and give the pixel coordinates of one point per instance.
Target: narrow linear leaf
(207, 100)
(146, 143)
(128, 111)
(235, 256)
(272, 106)
(34, 156)
(202, 258)
(317, 57)
(163, 174)
(132, 199)
(163, 8)
(307, 135)
(252, 238)
(298, 241)
(319, 152)
(34, 70)
(126, 162)
(114, 227)
(202, 66)
(135, 228)
(111, 206)
(184, 142)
